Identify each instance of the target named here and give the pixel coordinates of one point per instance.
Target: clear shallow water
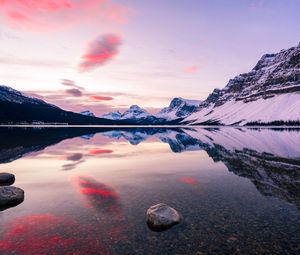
(87, 190)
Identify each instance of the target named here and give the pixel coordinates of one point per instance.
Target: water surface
(87, 190)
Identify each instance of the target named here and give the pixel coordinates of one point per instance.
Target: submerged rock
(10, 196)
(6, 179)
(161, 217)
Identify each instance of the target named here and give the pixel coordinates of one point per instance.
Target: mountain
(135, 112)
(112, 115)
(179, 108)
(88, 113)
(135, 115)
(17, 108)
(268, 94)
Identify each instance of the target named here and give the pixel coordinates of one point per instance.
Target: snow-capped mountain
(88, 113)
(179, 108)
(135, 112)
(268, 94)
(112, 115)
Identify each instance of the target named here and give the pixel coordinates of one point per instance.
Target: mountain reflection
(269, 158)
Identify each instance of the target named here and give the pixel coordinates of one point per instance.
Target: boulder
(161, 217)
(10, 196)
(6, 179)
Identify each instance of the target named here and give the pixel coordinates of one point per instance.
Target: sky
(105, 55)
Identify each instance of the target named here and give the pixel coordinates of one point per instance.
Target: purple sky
(104, 55)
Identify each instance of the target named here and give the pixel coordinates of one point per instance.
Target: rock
(10, 196)
(161, 217)
(6, 179)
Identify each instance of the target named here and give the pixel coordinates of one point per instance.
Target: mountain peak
(135, 107)
(135, 112)
(179, 108)
(269, 93)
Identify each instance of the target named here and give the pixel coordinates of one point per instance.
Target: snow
(284, 107)
(112, 115)
(176, 108)
(134, 112)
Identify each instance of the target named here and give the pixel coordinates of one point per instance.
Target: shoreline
(149, 126)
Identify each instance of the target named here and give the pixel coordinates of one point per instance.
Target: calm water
(87, 190)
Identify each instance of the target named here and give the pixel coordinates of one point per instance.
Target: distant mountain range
(178, 109)
(267, 95)
(16, 108)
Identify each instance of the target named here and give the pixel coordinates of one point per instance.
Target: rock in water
(10, 196)
(6, 179)
(161, 217)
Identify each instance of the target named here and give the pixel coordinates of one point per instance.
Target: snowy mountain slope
(179, 108)
(137, 116)
(269, 93)
(135, 112)
(112, 115)
(284, 107)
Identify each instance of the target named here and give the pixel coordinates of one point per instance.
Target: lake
(87, 190)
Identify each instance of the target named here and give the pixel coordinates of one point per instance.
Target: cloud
(70, 83)
(101, 98)
(100, 51)
(45, 15)
(191, 69)
(259, 6)
(49, 63)
(73, 92)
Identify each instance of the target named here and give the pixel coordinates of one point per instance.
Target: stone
(10, 196)
(6, 179)
(161, 217)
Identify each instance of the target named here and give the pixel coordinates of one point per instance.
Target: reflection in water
(99, 151)
(257, 214)
(190, 180)
(99, 195)
(49, 234)
(269, 158)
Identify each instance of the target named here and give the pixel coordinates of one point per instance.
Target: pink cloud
(99, 52)
(191, 69)
(45, 15)
(101, 98)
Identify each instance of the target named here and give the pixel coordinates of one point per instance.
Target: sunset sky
(106, 55)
